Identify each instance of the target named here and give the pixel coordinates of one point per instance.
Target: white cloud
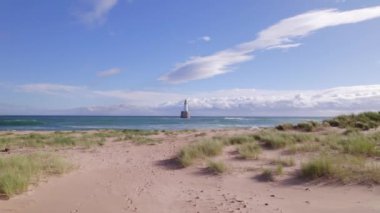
(109, 72)
(205, 67)
(205, 38)
(284, 46)
(98, 11)
(263, 102)
(201, 39)
(280, 35)
(238, 102)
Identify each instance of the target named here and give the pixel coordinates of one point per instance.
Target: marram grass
(206, 148)
(19, 171)
(216, 167)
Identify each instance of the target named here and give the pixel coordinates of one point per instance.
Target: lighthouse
(185, 113)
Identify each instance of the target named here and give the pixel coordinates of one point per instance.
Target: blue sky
(230, 57)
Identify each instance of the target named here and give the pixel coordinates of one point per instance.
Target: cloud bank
(97, 12)
(238, 102)
(280, 35)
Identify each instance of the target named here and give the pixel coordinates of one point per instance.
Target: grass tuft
(276, 139)
(316, 168)
(342, 168)
(362, 121)
(249, 151)
(359, 145)
(300, 148)
(216, 167)
(288, 162)
(19, 171)
(206, 148)
(270, 174)
(240, 139)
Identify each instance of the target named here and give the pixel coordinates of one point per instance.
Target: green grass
(216, 167)
(249, 150)
(275, 139)
(74, 139)
(342, 168)
(285, 127)
(362, 121)
(270, 174)
(279, 170)
(19, 171)
(141, 140)
(206, 148)
(140, 132)
(355, 143)
(318, 167)
(306, 147)
(360, 145)
(308, 126)
(267, 175)
(288, 162)
(239, 139)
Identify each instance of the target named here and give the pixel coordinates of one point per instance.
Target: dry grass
(288, 162)
(216, 167)
(206, 148)
(270, 174)
(19, 171)
(274, 139)
(249, 151)
(240, 139)
(342, 168)
(74, 139)
(301, 148)
(362, 121)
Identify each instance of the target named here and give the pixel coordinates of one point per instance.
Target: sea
(58, 123)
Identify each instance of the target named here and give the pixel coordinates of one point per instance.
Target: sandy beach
(126, 177)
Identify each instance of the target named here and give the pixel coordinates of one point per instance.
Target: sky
(229, 57)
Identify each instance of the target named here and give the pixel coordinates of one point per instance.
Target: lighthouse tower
(185, 113)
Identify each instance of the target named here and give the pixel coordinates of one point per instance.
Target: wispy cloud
(205, 38)
(108, 72)
(280, 35)
(48, 88)
(97, 12)
(201, 39)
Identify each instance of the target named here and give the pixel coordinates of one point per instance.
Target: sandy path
(122, 177)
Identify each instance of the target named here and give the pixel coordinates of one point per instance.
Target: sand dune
(123, 177)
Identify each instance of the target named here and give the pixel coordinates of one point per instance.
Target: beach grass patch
(359, 144)
(362, 121)
(342, 168)
(285, 127)
(274, 139)
(287, 162)
(19, 171)
(240, 139)
(206, 148)
(216, 167)
(306, 147)
(318, 167)
(249, 150)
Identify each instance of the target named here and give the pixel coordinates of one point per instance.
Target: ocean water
(55, 123)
